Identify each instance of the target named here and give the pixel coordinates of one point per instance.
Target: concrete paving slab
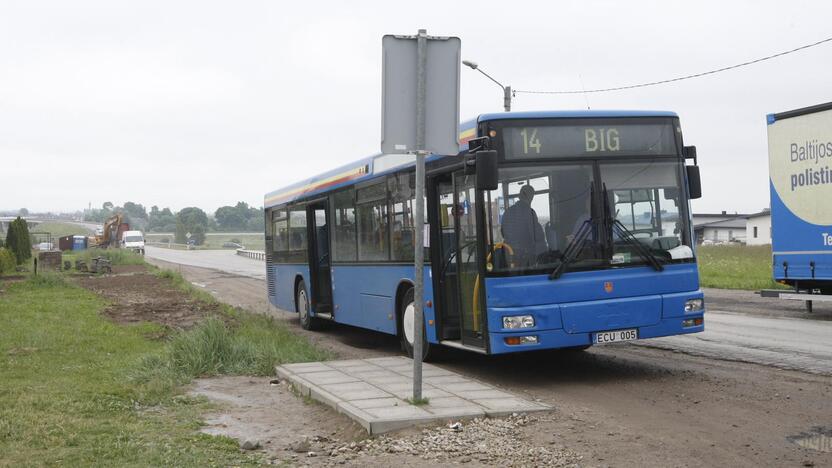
(330, 377)
(307, 367)
(378, 402)
(374, 391)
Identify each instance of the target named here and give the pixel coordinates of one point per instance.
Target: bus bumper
(554, 339)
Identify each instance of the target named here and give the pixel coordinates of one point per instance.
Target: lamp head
(471, 64)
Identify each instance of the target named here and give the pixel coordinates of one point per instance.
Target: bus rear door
(319, 258)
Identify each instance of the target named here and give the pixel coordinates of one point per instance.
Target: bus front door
(461, 287)
(319, 259)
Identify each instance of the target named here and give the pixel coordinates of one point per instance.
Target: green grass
(418, 401)
(253, 345)
(79, 390)
(736, 267)
(58, 229)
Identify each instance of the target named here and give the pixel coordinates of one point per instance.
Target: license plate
(615, 336)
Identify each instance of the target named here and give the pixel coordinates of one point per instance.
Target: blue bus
(582, 237)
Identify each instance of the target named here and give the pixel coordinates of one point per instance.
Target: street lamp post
(506, 89)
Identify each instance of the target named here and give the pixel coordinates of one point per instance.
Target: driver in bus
(522, 230)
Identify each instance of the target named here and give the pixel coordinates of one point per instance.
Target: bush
(7, 261)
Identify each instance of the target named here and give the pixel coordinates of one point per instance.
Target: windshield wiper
(628, 236)
(573, 249)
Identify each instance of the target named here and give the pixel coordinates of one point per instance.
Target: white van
(133, 240)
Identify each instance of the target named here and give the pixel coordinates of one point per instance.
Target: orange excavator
(109, 236)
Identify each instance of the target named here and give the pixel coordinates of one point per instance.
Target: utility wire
(680, 78)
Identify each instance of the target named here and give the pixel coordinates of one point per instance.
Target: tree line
(191, 220)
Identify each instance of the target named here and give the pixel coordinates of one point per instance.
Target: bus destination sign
(590, 139)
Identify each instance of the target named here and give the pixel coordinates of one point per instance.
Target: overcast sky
(205, 103)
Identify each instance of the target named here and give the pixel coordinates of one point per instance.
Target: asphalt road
(734, 333)
(222, 260)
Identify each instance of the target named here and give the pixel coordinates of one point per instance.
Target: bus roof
(380, 164)
(574, 114)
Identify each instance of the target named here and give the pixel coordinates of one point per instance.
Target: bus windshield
(538, 210)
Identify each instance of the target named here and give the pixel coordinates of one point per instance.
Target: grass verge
(736, 267)
(58, 229)
(79, 390)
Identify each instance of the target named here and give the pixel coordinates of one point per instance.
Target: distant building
(758, 228)
(719, 227)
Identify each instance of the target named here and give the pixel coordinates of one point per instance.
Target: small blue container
(79, 242)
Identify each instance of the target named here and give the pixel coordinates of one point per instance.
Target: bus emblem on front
(608, 286)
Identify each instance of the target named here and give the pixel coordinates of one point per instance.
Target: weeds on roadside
(251, 346)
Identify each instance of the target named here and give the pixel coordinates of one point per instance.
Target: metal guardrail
(168, 245)
(253, 254)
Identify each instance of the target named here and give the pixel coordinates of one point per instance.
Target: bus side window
(402, 193)
(297, 234)
(371, 213)
(343, 206)
(280, 233)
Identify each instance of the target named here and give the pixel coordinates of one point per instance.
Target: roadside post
(420, 116)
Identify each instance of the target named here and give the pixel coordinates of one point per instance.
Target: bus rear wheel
(307, 322)
(407, 331)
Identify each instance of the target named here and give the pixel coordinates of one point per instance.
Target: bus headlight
(518, 321)
(694, 305)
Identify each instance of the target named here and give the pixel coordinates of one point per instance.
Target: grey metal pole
(507, 98)
(419, 254)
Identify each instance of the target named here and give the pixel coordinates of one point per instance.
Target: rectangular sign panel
(800, 170)
(398, 106)
(589, 138)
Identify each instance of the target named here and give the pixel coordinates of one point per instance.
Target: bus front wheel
(407, 325)
(307, 322)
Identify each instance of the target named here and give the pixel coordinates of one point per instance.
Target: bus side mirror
(486, 170)
(694, 182)
(689, 152)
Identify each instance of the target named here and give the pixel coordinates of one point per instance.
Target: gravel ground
(482, 440)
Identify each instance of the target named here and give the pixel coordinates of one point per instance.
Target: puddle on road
(818, 438)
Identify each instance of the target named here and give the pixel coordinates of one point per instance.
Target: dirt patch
(296, 431)
(138, 296)
(284, 425)
(124, 269)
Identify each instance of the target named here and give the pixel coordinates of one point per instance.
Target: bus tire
(302, 307)
(407, 309)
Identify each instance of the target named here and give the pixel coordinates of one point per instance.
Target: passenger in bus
(522, 230)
